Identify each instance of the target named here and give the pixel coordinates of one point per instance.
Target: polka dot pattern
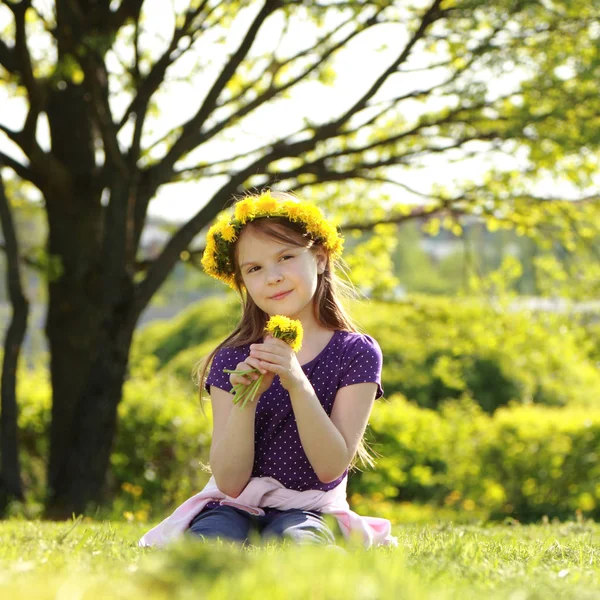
(347, 359)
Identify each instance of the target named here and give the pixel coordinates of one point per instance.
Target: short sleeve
(363, 363)
(225, 358)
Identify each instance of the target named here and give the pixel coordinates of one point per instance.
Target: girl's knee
(300, 527)
(222, 522)
(310, 535)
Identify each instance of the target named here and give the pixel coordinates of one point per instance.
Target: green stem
(252, 389)
(240, 390)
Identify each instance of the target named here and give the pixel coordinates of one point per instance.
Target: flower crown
(225, 231)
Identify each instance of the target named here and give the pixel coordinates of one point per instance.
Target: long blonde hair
(329, 311)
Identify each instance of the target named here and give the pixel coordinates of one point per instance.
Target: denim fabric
(232, 524)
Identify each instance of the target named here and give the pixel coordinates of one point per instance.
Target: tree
(95, 73)
(10, 481)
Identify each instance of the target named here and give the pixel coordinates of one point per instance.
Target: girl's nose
(275, 275)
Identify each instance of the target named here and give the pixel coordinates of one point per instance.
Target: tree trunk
(91, 319)
(10, 478)
(79, 477)
(75, 288)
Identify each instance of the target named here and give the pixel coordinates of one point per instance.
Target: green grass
(90, 560)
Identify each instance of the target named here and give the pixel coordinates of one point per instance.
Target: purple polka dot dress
(348, 358)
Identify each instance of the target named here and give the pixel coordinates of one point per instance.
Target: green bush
(34, 405)
(434, 349)
(593, 331)
(454, 356)
(524, 462)
(163, 439)
(162, 442)
(205, 322)
(437, 348)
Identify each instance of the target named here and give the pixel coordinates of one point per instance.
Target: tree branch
(129, 9)
(8, 59)
(331, 129)
(35, 154)
(156, 75)
(34, 92)
(418, 212)
(14, 136)
(187, 141)
(15, 333)
(26, 260)
(432, 14)
(202, 169)
(275, 66)
(475, 53)
(274, 91)
(96, 81)
(21, 170)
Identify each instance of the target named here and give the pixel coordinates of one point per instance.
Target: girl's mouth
(280, 296)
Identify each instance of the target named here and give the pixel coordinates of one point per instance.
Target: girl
(281, 463)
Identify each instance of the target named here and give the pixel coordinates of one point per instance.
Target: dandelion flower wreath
(225, 231)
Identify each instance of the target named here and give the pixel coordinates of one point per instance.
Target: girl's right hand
(248, 364)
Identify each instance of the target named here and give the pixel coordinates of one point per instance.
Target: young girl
(281, 463)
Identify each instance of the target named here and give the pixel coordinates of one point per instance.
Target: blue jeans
(232, 524)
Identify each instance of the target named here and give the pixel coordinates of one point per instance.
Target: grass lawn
(91, 560)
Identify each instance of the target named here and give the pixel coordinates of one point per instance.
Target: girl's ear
(321, 262)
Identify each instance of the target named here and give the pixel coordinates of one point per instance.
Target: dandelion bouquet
(288, 330)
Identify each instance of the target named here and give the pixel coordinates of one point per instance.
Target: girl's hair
(328, 308)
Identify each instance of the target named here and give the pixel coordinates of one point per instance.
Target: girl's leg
(224, 522)
(302, 526)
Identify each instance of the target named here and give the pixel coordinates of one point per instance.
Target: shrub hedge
(463, 423)
(434, 349)
(522, 461)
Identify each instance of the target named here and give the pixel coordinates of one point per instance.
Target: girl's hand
(246, 380)
(277, 357)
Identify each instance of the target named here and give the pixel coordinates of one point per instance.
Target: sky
(361, 62)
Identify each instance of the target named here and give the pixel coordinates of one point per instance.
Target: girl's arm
(330, 443)
(232, 447)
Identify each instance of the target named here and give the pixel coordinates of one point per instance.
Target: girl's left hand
(277, 357)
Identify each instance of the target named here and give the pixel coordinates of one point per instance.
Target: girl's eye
(251, 269)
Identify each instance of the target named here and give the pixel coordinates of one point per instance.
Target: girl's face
(270, 267)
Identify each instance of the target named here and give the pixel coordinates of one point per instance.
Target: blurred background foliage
(491, 373)
(463, 172)
(488, 412)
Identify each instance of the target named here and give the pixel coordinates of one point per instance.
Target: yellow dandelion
(228, 233)
(336, 248)
(225, 228)
(245, 210)
(286, 329)
(294, 211)
(266, 204)
(208, 257)
(312, 213)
